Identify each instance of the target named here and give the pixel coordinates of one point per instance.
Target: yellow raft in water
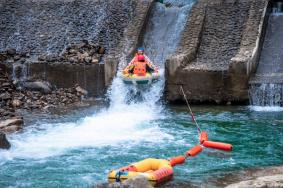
(156, 171)
(148, 78)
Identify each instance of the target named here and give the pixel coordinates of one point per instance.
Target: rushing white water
(110, 127)
(266, 97)
(128, 119)
(266, 108)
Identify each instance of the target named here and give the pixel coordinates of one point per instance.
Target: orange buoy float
(177, 160)
(203, 137)
(158, 171)
(217, 145)
(194, 151)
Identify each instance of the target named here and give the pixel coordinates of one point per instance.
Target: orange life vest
(140, 68)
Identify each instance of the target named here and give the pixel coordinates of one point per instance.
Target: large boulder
(4, 143)
(5, 96)
(274, 181)
(11, 125)
(43, 87)
(135, 182)
(80, 90)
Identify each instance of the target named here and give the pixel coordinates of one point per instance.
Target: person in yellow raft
(140, 64)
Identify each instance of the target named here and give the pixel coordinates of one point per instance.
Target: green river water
(44, 156)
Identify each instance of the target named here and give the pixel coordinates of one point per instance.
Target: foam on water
(106, 128)
(127, 120)
(266, 108)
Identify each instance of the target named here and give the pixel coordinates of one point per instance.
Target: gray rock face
(274, 181)
(135, 182)
(11, 125)
(81, 91)
(5, 96)
(43, 87)
(4, 143)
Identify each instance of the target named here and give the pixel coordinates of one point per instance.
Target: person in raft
(140, 64)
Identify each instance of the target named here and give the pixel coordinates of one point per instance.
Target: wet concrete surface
(270, 68)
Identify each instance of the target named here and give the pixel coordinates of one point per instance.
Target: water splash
(266, 108)
(110, 127)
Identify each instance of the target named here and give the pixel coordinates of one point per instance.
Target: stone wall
(49, 26)
(219, 46)
(65, 75)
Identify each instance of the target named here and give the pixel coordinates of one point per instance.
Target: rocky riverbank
(268, 177)
(265, 177)
(19, 91)
(34, 95)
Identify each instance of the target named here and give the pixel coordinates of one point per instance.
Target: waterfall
(266, 95)
(164, 29)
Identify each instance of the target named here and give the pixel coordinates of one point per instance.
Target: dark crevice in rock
(4, 143)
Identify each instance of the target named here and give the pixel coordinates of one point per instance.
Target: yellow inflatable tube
(156, 171)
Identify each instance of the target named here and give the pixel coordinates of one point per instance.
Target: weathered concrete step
(66, 75)
(272, 78)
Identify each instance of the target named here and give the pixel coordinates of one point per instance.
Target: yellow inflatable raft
(156, 171)
(148, 78)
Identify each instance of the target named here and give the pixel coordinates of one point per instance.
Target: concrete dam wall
(218, 52)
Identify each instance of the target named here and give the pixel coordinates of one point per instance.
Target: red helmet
(141, 58)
